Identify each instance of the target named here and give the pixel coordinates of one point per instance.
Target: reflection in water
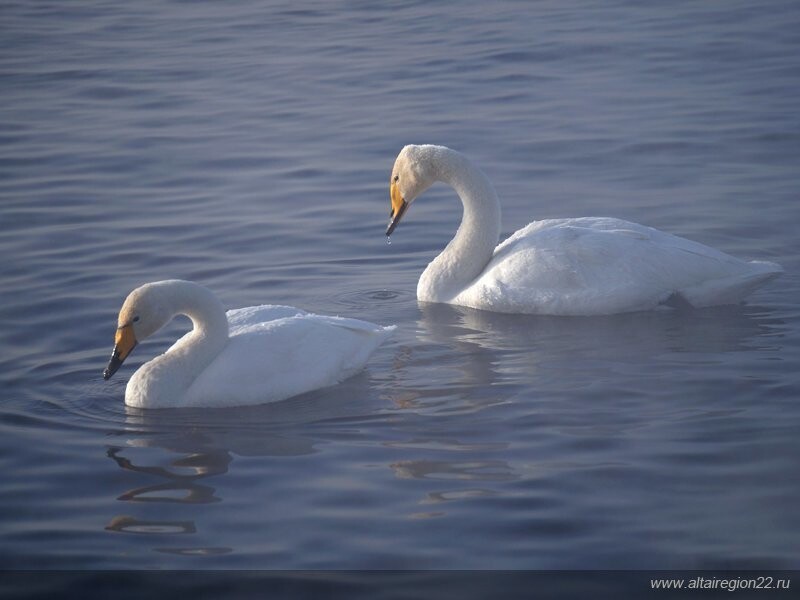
(715, 329)
(439, 497)
(449, 445)
(194, 466)
(195, 494)
(126, 524)
(484, 355)
(184, 448)
(487, 470)
(200, 465)
(194, 551)
(467, 360)
(201, 442)
(475, 362)
(460, 471)
(440, 371)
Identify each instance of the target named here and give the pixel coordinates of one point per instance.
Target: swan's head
(414, 172)
(145, 311)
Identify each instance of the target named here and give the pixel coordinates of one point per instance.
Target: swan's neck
(468, 253)
(166, 379)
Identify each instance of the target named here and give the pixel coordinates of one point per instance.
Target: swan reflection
(465, 361)
(127, 524)
(477, 470)
(183, 454)
(717, 329)
(182, 475)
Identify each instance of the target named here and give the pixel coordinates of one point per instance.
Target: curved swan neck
(164, 380)
(210, 332)
(470, 250)
(201, 306)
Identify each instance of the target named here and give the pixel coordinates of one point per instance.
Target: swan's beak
(399, 206)
(124, 342)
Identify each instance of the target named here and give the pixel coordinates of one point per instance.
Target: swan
(245, 356)
(575, 266)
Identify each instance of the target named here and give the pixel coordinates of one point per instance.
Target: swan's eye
(135, 319)
(396, 177)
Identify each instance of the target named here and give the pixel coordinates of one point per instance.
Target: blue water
(247, 146)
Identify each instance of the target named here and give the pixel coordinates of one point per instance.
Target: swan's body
(245, 356)
(582, 266)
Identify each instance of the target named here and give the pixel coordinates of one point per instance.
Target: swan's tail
(733, 289)
(371, 336)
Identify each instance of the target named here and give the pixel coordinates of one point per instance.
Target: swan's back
(276, 352)
(241, 320)
(591, 266)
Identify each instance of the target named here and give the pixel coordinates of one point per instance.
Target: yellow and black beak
(124, 342)
(399, 206)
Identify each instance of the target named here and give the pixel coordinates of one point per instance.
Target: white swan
(581, 266)
(248, 356)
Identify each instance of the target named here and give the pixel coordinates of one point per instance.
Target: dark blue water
(248, 145)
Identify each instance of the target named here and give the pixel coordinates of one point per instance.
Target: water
(247, 146)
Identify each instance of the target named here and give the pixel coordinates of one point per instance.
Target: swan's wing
(355, 325)
(602, 265)
(277, 359)
(240, 319)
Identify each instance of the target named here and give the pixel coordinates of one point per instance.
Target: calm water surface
(248, 146)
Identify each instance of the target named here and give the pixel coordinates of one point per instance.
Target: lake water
(248, 146)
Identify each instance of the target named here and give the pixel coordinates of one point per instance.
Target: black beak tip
(396, 216)
(112, 367)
